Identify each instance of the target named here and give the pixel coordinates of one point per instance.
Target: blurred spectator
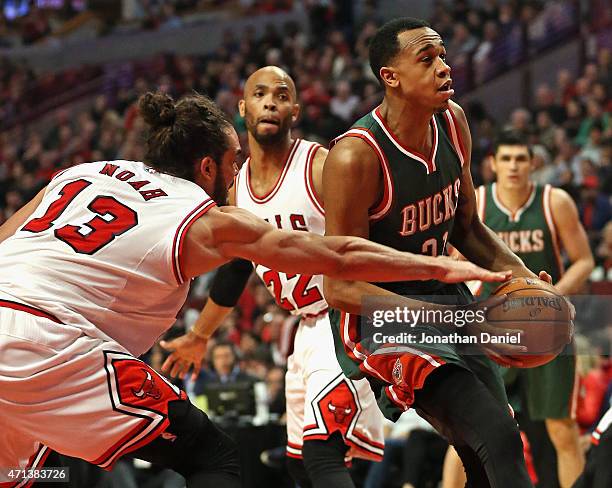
(224, 368)
(603, 256)
(344, 102)
(520, 122)
(462, 42)
(275, 388)
(593, 383)
(595, 209)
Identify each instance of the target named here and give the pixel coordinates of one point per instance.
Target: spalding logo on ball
(545, 318)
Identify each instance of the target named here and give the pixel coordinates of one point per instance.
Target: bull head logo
(340, 412)
(147, 388)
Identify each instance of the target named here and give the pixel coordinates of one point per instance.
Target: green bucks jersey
(417, 209)
(529, 232)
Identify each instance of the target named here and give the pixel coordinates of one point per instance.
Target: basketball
(536, 308)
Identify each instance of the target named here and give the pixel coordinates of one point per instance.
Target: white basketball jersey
(290, 205)
(102, 251)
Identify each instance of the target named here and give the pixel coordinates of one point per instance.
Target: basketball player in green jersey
(401, 176)
(537, 222)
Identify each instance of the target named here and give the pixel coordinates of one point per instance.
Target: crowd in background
(569, 125)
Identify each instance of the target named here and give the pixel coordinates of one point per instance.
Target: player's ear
(389, 76)
(241, 108)
(490, 160)
(295, 112)
(208, 168)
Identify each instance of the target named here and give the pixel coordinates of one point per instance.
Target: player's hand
(456, 271)
(186, 352)
(544, 276)
(500, 353)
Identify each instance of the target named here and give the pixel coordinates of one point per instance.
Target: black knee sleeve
(472, 417)
(324, 462)
(297, 470)
(207, 448)
(194, 447)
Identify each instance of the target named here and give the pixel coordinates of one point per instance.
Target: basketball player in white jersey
(96, 267)
(328, 415)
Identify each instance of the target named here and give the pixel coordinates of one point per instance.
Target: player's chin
(442, 106)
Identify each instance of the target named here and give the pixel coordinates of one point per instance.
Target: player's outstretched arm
(228, 232)
(187, 352)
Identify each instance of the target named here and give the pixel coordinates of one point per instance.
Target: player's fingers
(491, 276)
(494, 301)
(195, 372)
(175, 369)
(168, 346)
(544, 276)
(510, 349)
(184, 371)
(503, 359)
(168, 363)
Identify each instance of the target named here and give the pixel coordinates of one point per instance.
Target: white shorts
(321, 400)
(80, 396)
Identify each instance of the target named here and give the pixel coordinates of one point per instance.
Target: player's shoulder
(459, 118)
(481, 190)
(355, 154)
(318, 150)
(560, 201)
(457, 111)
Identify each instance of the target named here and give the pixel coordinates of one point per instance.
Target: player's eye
(258, 94)
(283, 97)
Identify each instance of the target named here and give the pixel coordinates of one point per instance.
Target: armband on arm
(230, 281)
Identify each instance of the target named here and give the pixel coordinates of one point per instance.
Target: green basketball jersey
(416, 212)
(529, 232)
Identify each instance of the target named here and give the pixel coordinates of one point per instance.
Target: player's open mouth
(270, 121)
(446, 87)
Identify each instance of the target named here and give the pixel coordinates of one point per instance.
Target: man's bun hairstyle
(157, 109)
(182, 133)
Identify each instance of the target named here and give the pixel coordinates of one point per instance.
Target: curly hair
(182, 133)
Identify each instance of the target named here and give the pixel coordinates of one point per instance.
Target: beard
(220, 191)
(269, 139)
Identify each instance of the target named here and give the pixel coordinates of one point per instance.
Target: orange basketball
(535, 307)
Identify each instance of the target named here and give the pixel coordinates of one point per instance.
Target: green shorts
(545, 392)
(414, 362)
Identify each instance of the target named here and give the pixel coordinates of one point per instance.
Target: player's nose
(270, 103)
(444, 70)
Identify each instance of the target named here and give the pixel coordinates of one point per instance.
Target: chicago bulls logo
(341, 412)
(338, 407)
(147, 388)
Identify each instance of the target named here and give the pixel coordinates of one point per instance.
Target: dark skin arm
(351, 186)
(470, 236)
(352, 181)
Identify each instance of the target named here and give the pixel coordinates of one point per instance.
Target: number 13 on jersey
(112, 219)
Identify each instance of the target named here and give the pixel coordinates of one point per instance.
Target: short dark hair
(511, 138)
(224, 343)
(384, 45)
(183, 132)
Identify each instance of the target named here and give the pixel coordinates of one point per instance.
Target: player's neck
(409, 123)
(513, 198)
(271, 157)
